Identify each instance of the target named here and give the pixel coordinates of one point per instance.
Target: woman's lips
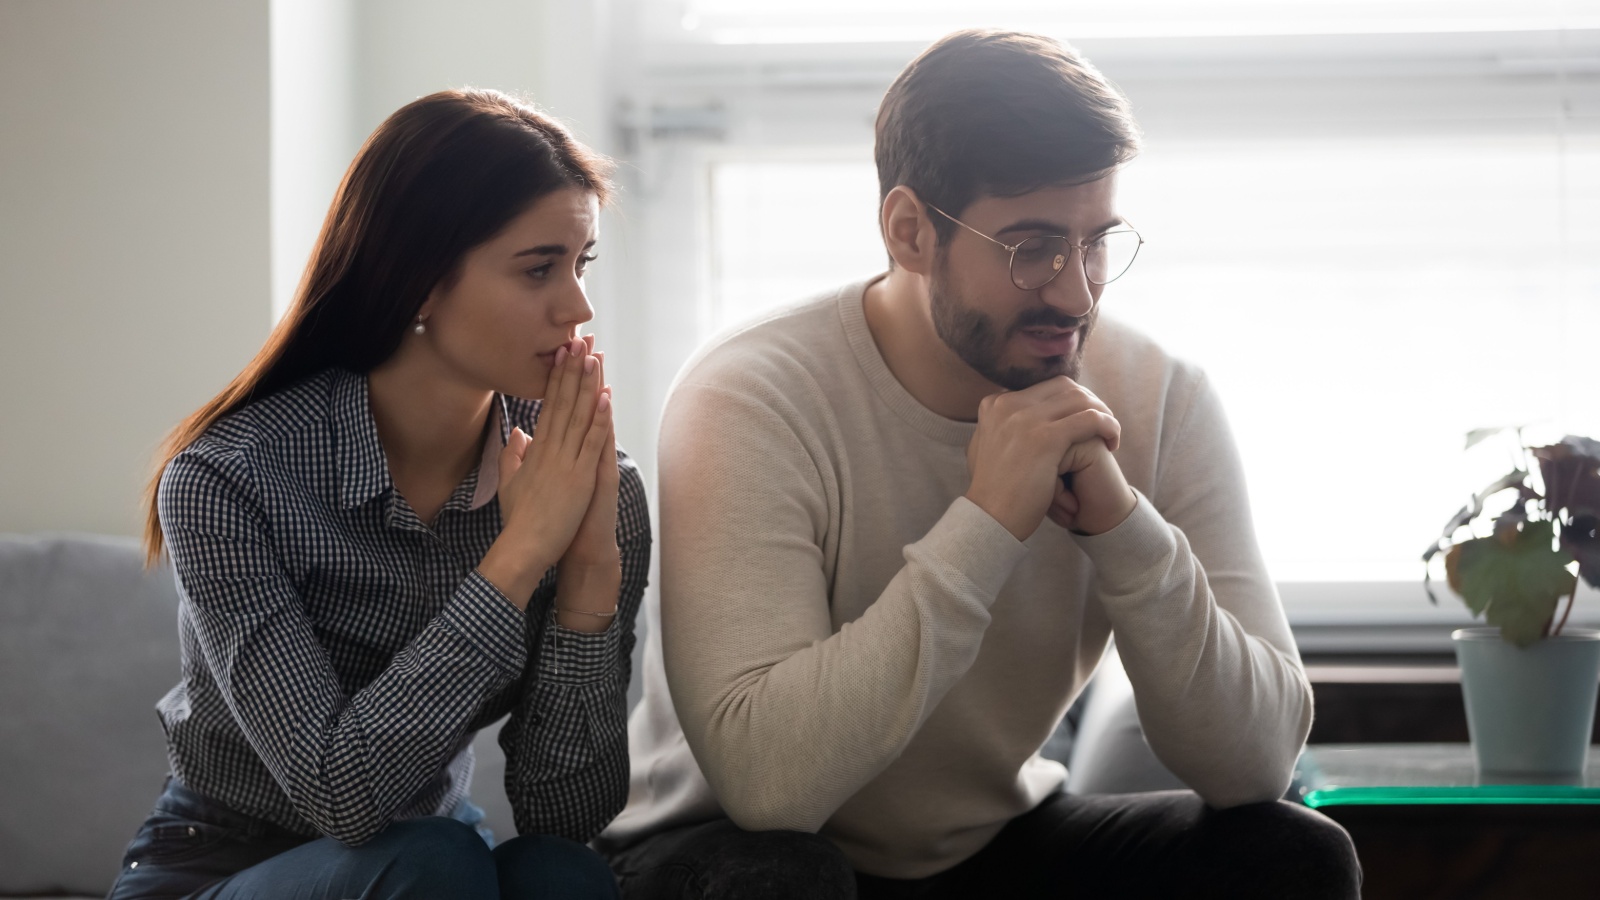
(549, 356)
(1049, 341)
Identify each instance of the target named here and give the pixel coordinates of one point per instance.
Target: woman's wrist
(515, 567)
(586, 594)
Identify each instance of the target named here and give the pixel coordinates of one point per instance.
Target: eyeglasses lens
(1038, 260)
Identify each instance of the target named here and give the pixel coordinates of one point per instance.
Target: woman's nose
(573, 307)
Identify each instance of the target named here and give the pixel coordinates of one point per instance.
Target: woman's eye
(541, 271)
(584, 260)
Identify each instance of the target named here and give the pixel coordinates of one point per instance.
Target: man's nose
(1070, 291)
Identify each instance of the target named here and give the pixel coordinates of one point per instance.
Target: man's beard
(980, 341)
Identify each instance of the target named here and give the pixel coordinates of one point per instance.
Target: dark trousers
(192, 846)
(1167, 845)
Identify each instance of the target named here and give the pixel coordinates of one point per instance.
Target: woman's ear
(907, 231)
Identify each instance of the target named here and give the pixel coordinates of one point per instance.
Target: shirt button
(134, 864)
(192, 832)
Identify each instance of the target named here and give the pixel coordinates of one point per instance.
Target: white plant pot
(1529, 709)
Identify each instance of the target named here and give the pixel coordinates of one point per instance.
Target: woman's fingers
(546, 430)
(607, 472)
(598, 437)
(584, 403)
(563, 400)
(511, 455)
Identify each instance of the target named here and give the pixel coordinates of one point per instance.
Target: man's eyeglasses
(1036, 262)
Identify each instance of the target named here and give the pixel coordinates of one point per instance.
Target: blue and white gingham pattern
(339, 654)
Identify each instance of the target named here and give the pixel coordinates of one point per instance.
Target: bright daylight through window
(1376, 225)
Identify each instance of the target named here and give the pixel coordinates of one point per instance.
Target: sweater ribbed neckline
(853, 318)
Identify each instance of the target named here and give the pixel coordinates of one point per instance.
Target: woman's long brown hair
(440, 176)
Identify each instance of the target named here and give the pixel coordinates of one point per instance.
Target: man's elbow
(1244, 791)
(1259, 780)
(760, 804)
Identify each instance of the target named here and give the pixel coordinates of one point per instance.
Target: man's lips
(1046, 341)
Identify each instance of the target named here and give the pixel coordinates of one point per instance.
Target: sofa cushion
(88, 643)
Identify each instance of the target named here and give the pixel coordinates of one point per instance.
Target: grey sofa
(88, 643)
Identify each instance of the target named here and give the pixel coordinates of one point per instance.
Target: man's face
(1016, 338)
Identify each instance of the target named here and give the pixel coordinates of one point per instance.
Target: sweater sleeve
(787, 718)
(1221, 693)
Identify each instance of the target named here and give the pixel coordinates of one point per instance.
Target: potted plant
(1529, 682)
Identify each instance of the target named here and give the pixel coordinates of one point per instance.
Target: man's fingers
(1064, 507)
(1086, 424)
(1052, 399)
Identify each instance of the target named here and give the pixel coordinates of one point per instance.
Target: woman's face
(517, 297)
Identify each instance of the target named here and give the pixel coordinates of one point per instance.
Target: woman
(376, 559)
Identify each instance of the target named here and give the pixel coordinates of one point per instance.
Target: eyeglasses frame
(1083, 252)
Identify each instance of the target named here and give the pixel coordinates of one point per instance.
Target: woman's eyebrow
(543, 250)
(547, 250)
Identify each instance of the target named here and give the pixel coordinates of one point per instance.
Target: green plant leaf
(1514, 580)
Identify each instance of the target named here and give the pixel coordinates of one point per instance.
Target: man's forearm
(1226, 710)
(788, 719)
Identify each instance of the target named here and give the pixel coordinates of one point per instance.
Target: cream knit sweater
(852, 647)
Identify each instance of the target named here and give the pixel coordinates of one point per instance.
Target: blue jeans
(193, 847)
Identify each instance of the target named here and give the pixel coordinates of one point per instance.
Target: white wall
(134, 264)
(314, 132)
(164, 169)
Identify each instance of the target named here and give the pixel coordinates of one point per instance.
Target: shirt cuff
(490, 623)
(578, 657)
(1124, 556)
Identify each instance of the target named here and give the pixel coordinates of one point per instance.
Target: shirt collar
(364, 470)
(488, 471)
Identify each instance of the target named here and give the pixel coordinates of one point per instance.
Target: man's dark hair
(998, 113)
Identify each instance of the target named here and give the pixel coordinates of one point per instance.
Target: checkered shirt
(339, 654)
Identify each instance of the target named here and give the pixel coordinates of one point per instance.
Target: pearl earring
(419, 328)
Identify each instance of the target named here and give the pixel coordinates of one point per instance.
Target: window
(1372, 244)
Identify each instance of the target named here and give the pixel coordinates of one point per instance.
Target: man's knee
(719, 860)
(537, 865)
(1285, 846)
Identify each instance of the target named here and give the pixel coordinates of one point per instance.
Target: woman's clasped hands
(558, 496)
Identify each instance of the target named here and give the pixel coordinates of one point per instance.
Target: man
(867, 625)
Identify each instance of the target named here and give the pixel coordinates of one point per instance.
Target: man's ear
(907, 231)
